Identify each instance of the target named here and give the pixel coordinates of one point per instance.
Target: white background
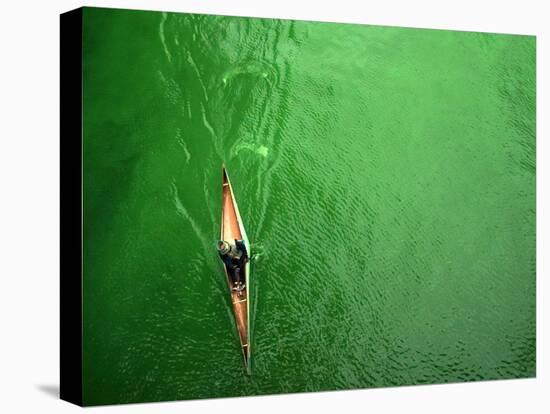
(29, 206)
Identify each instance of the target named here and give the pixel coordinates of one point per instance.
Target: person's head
(223, 247)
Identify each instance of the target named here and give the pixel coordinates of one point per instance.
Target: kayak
(232, 229)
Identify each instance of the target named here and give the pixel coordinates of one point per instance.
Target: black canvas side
(71, 206)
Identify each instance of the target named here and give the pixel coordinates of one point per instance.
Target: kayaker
(234, 257)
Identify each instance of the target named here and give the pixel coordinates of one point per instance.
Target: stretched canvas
(260, 206)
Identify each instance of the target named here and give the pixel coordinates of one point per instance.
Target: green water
(386, 179)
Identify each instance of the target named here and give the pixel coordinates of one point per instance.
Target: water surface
(386, 178)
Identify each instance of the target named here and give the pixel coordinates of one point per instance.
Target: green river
(386, 180)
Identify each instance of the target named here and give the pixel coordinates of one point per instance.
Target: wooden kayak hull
(232, 229)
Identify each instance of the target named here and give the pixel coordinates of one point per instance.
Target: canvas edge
(70, 111)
